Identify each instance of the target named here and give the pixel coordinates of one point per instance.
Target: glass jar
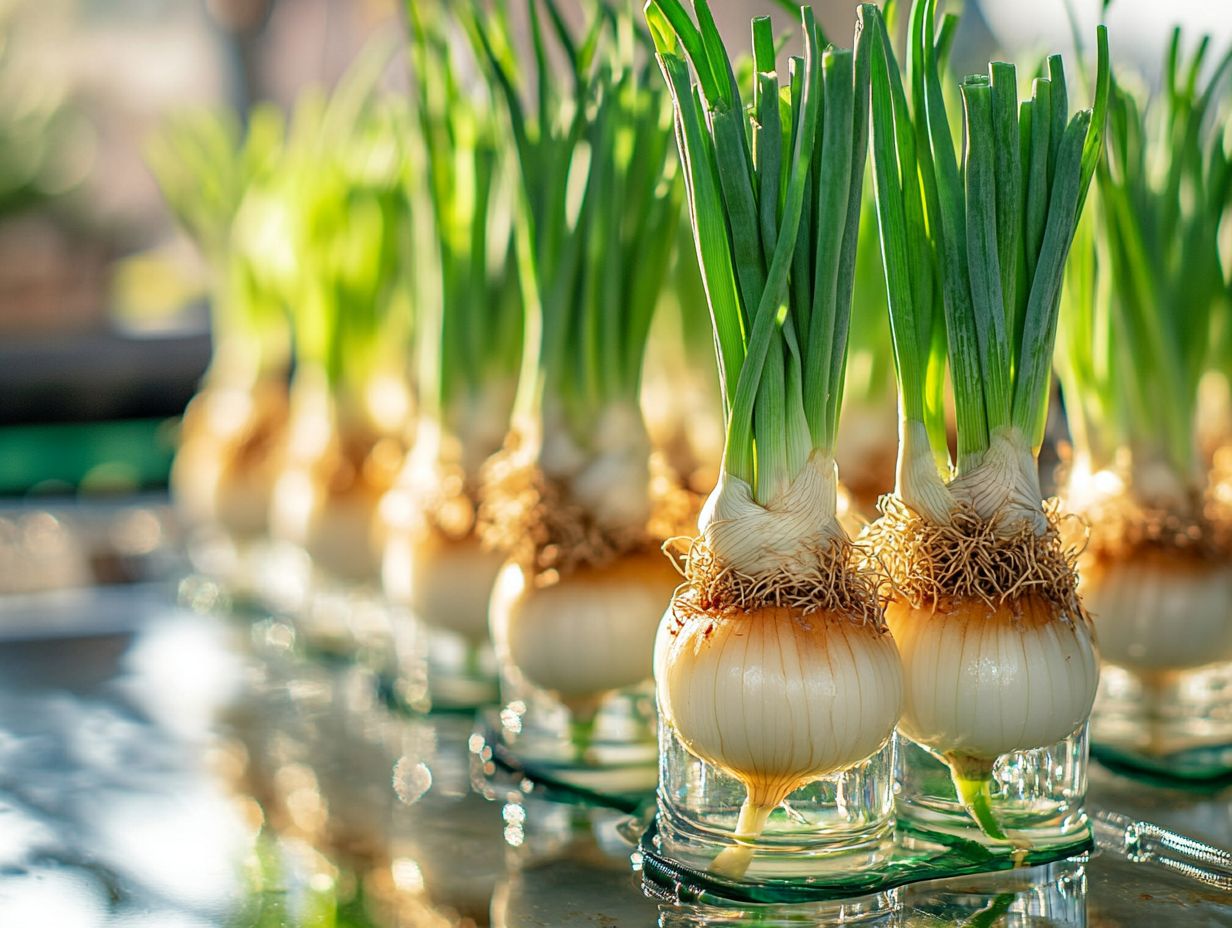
(462, 674)
(575, 669)
(566, 860)
(444, 586)
(1177, 724)
(835, 824)
(877, 909)
(608, 748)
(1035, 796)
(236, 564)
(437, 667)
(1165, 698)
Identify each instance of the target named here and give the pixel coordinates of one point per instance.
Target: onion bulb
(777, 699)
(225, 467)
(447, 584)
(433, 560)
(336, 527)
(327, 498)
(1161, 611)
(981, 681)
(587, 634)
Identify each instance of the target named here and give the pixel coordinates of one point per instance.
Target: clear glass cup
(566, 863)
(462, 674)
(1177, 723)
(575, 664)
(1036, 796)
(1164, 703)
(840, 823)
(609, 748)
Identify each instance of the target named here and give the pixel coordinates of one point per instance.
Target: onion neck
(1214, 426)
(1001, 484)
(1145, 475)
(608, 473)
(314, 423)
(384, 401)
(1005, 484)
(1156, 483)
(784, 534)
(919, 485)
(239, 363)
(432, 453)
(473, 427)
(1089, 485)
(322, 414)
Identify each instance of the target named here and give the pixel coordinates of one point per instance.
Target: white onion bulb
(212, 484)
(1158, 611)
(209, 490)
(777, 698)
(338, 530)
(588, 634)
(446, 580)
(446, 584)
(981, 682)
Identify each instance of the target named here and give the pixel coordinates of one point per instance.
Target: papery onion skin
(981, 681)
(447, 584)
(775, 697)
(1161, 611)
(587, 634)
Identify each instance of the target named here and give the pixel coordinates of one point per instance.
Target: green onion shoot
(573, 500)
(1145, 290)
(776, 618)
(226, 462)
(339, 217)
(974, 245)
(468, 334)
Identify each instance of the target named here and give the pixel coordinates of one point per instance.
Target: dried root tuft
(363, 462)
(933, 566)
(834, 583)
(449, 506)
(538, 522)
(1122, 526)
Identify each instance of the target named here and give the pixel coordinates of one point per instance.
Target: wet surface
(164, 767)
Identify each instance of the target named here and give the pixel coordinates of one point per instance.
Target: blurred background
(104, 317)
(103, 324)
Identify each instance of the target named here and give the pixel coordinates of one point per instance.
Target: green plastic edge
(123, 454)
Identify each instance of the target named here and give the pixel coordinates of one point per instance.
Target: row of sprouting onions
(462, 351)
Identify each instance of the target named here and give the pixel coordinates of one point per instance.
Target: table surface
(161, 766)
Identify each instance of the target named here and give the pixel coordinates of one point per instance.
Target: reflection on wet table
(166, 767)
